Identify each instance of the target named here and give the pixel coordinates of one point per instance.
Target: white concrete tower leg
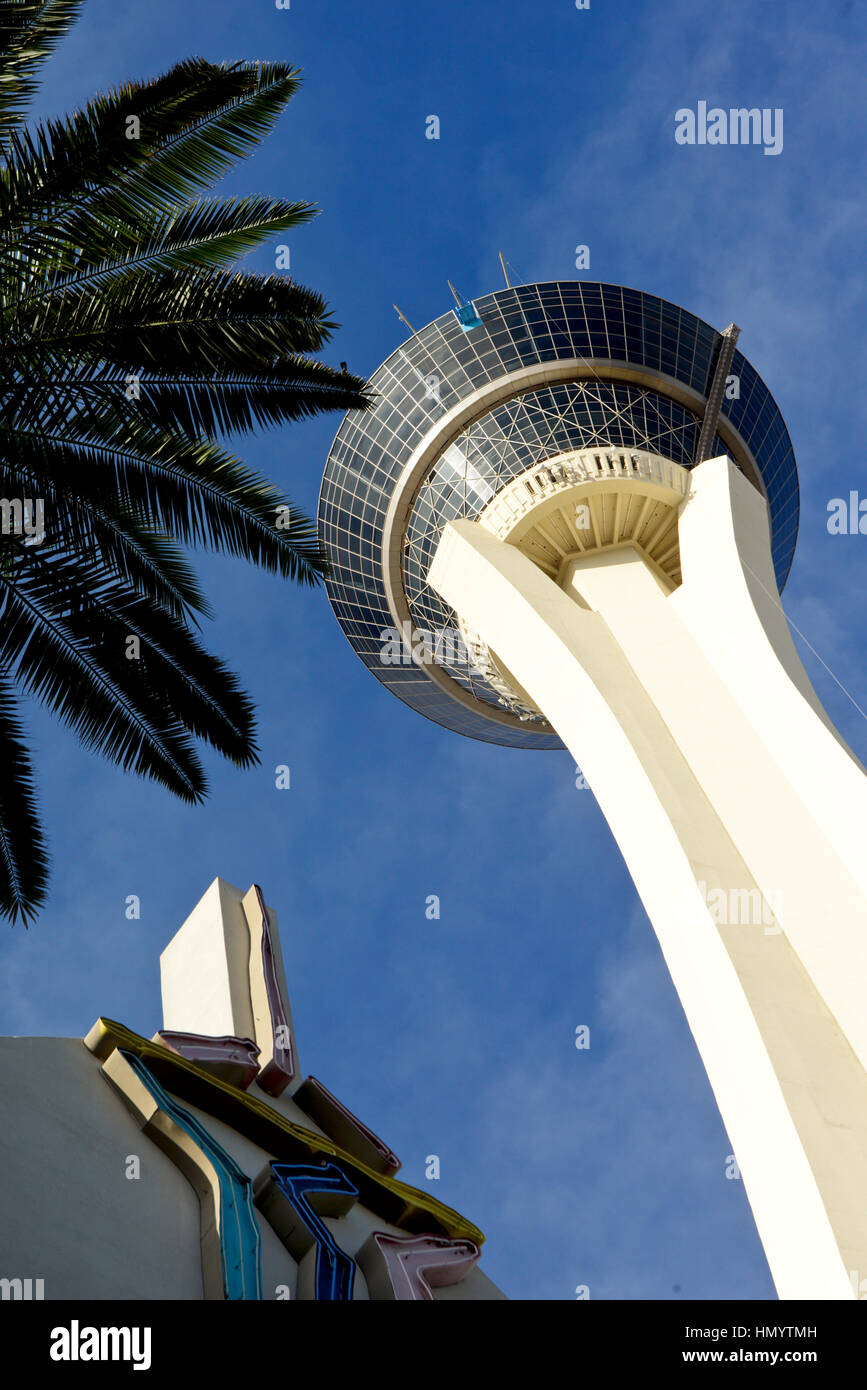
(791, 1091)
(730, 603)
(759, 798)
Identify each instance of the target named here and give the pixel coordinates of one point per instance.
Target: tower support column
(735, 815)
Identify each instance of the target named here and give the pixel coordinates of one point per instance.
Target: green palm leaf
(23, 858)
(28, 33)
(131, 345)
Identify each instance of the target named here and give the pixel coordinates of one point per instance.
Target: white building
(202, 1163)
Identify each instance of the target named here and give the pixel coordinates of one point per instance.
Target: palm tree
(129, 346)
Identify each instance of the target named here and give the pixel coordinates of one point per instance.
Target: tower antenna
(404, 317)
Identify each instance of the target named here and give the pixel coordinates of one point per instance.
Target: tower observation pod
(569, 526)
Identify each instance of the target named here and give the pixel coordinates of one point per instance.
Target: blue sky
(456, 1037)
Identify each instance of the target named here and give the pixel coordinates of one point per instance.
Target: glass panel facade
(442, 365)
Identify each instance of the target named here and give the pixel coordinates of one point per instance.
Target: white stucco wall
(69, 1215)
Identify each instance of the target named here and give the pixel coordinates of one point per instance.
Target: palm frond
(193, 490)
(66, 177)
(67, 672)
(215, 319)
(130, 346)
(99, 524)
(29, 32)
(23, 856)
(197, 236)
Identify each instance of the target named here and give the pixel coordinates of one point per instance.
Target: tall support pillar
(736, 807)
